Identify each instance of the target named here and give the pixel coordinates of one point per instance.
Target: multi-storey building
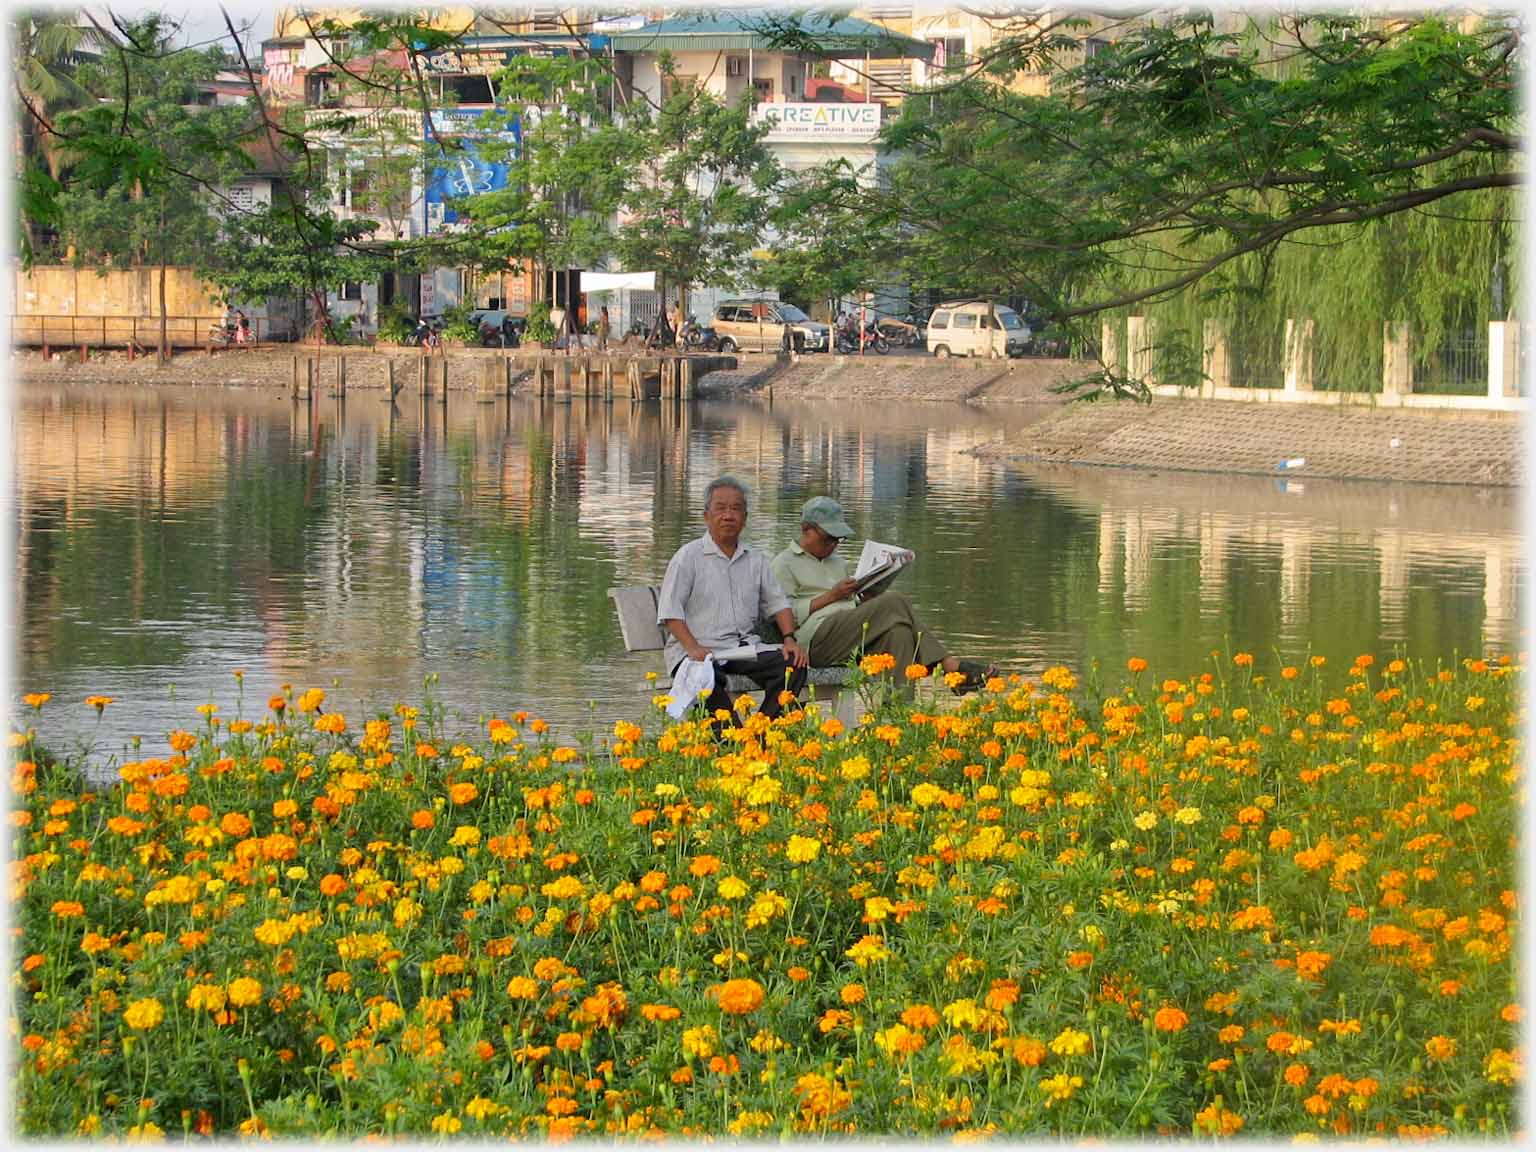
(386, 162)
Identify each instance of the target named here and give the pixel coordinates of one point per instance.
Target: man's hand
(843, 589)
(696, 651)
(794, 654)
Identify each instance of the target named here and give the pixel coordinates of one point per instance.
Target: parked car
(758, 326)
(976, 328)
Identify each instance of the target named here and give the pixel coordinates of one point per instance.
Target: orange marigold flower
(464, 792)
(1169, 1019)
(1136, 665)
(1440, 1048)
(739, 997)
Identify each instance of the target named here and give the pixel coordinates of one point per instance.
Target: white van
(975, 328)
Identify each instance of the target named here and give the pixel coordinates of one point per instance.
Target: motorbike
(847, 342)
(223, 335)
(899, 333)
(699, 338)
(507, 335)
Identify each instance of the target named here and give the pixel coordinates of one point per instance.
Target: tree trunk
(164, 349)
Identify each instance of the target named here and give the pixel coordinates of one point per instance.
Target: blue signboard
(463, 171)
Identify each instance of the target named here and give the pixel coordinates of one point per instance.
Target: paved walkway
(1433, 447)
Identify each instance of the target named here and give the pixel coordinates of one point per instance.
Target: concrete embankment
(922, 378)
(1355, 443)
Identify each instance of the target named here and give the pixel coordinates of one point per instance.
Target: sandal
(975, 676)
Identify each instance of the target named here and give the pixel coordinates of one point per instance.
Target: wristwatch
(790, 636)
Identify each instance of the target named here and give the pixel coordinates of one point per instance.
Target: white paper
(743, 651)
(691, 678)
(880, 561)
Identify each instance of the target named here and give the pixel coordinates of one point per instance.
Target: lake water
(167, 538)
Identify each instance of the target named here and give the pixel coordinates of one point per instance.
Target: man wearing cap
(833, 623)
(716, 589)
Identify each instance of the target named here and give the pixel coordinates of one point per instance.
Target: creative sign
(845, 122)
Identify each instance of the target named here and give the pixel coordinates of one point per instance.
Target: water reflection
(166, 538)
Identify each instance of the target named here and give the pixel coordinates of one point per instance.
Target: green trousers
(884, 623)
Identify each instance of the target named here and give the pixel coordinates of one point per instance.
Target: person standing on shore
(835, 622)
(602, 329)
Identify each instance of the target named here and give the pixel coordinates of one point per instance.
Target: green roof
(843, 38)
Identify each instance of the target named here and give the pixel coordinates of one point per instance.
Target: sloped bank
(1423, 447)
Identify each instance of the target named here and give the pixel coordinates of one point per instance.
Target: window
(735, 66)
(352, 290)
(794, 84)
(1093, 46)
(939, 320)
(986, 322)
(948, 53)
(242, 197)
(965, 320)
(468, 89)
(762, 91)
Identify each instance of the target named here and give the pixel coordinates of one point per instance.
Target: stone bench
(636, 606)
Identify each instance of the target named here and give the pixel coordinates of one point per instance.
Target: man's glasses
(828, 535)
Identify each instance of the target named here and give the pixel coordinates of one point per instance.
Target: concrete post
(1503, 359)
(1298, 356)
(1138, 352)
(685, 385)
(488, 373)
(1396, 366)
(562, 375)
(341, 373)
(607, 378)
(1109, 346)
(1214, 359)
(423, 376)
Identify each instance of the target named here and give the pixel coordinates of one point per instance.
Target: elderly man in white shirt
(715, 591)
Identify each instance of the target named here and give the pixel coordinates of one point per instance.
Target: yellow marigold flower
(1187, 816)
(1217, 1120)
(1059, 1088)
(310, 700)
(1145, 820)
(446, 1123)
(732, 888)
(699, 1042)
(1070, 1042)
(36, 700)
(207, 997)
(869, 950)
(802, 849)
(143, 1015)
(244, 991)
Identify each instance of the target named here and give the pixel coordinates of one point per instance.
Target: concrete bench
(636, 606)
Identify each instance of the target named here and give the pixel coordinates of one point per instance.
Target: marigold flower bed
(1221, 905)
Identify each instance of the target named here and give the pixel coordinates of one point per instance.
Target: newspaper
(879, 563)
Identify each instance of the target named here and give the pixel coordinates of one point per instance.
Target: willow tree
(1195, 145)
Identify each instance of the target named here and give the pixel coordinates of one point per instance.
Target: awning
(845, 37)
(615, 281)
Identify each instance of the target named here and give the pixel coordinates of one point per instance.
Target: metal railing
(1458, 367)
(141, 332)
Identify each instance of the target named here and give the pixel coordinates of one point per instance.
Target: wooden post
(423, 377)
(341, 373)
(295, 375)
(389, 375)
(607, 378)
(685, 385)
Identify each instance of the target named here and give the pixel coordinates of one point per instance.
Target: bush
(457, 324)
(540, 328)
(395, 324)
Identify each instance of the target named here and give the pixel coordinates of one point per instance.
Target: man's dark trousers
(767, 670)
